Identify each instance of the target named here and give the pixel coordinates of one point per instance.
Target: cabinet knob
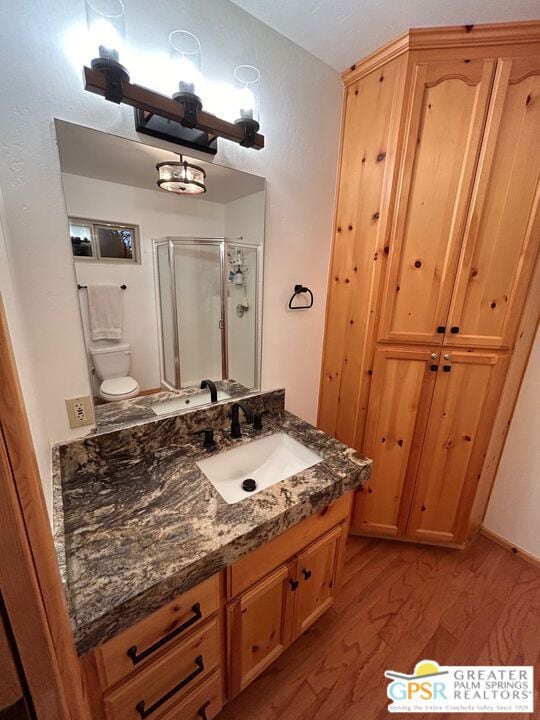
(294, 584)
(434, 356)
(447, 356)
(454, 329)
(306, 574)
(441, 329)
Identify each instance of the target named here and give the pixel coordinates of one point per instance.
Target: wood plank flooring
(400, 603)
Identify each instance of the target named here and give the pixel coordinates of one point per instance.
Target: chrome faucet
(212, 387)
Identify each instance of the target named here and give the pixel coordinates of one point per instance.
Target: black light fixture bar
(148, 101)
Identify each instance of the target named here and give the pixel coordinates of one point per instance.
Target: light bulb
(185, 54)
(106, 29)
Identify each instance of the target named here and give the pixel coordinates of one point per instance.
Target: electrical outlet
(80, 411)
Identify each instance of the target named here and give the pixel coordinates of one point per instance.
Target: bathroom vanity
(179, 599)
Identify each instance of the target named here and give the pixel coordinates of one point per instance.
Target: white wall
(300, 113)
(157, 214)
(514, 508)
(25, 367)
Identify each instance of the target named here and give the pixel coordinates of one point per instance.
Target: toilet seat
(119, 388)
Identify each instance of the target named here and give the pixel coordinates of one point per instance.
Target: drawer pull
(201, 712)
(306, 574)
(132, 652)
(144, 712)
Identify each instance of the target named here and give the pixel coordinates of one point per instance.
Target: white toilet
(112, 362)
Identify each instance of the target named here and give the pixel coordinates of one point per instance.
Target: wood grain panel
(372, 111)
(112, 657)
(259, 627)
(503, 228)
(10, 684)
(316, 573)
(164, 674)
(444, 129)
(399, 404)
(258, 563)
(204, 703)
(456, 439)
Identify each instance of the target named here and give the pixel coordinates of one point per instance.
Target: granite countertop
(142, 526)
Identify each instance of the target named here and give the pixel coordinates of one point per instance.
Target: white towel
(105, 312)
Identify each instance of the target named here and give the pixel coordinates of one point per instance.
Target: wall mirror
(168, 254)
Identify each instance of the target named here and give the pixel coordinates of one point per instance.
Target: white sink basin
(186, 403)
(266, 461)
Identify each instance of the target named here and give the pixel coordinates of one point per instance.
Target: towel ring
(299, 290)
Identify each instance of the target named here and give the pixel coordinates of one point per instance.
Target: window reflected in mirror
(103, 241)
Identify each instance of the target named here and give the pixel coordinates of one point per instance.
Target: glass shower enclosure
(208, 304)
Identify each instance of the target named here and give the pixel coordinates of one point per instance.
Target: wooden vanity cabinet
(182, 661)
(264, 620)
(447, 273)
(259, 627)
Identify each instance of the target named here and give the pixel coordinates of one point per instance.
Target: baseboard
(414, 541)
(507, 545)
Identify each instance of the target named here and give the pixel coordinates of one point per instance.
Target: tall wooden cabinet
(436, 239)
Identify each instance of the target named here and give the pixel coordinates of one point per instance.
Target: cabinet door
(403, 382)
(444, 127)
(503, 227)
(316, 574)
(460, 420)
(259, 627)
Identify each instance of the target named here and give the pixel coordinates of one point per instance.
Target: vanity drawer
(141, 643)
(204, 703)
(167, 680)
(258, 563)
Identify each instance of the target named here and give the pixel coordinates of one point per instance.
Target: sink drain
(249, 485)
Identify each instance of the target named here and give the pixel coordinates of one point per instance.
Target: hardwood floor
(400, 603)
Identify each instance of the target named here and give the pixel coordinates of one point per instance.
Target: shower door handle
(221, 324)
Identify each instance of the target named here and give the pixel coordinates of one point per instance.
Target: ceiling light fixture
(181, 177)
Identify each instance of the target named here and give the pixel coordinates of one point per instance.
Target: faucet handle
(209, 442)
(257, 419)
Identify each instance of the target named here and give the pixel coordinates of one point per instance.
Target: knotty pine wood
(258, 563)
(259, 627)
(112, 661)
(502, 233)
(157, 679)
(401, 394)
(372, 111)
(479, 40)
(316, 591)
(400, 603)
(454, 444)
(444, 124)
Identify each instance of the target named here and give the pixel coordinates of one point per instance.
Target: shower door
(192, 314)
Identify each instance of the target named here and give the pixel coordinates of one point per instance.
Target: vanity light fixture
(247, 81)
(180, 119)
(106, 32)
(181, 177)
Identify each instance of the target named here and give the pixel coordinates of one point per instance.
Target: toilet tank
(111, 361)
